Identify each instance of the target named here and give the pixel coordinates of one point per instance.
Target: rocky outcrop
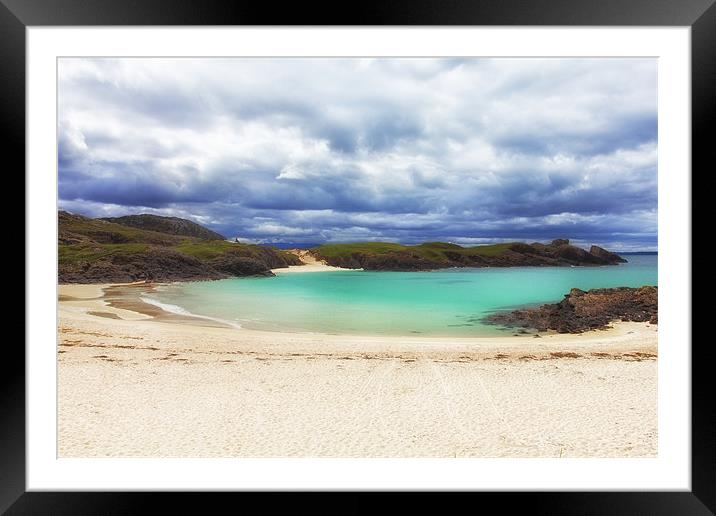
(560, 242)
(397, 262)
(240, 266)
(582, 311)
(269, 256)
(436, 255)
(605, 255)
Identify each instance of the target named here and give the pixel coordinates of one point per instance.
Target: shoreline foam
(178, 310)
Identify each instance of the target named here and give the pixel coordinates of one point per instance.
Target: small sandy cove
(135, 381)
(310, 264)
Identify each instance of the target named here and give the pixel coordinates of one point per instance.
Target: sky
(313, 150)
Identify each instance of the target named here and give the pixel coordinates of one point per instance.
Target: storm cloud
(311, 150)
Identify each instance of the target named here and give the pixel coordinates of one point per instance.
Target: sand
(153, 384)
(310, 264)
(310, 267)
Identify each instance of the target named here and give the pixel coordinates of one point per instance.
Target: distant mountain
(167, 225)
(440, 255)
(101, 251)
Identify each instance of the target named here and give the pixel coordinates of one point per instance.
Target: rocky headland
(382, 256)
(152, 248)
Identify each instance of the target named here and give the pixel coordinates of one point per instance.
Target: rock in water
(582, 311)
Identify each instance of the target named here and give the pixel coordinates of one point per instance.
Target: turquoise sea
(447, 302)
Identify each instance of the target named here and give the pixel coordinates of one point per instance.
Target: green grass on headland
(436, 255)
(99, 250)
(428, 250)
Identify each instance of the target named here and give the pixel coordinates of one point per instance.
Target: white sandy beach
(310, 264)
(309, 267)
(153, 384)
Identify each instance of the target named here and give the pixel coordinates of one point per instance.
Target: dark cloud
(309, 150)
(622, 133)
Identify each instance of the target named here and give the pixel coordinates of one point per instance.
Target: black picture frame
(700, 15)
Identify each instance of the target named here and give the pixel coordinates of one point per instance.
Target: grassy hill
(439, 255)
(167, 226)
(98, 250)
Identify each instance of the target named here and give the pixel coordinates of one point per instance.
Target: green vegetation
(338, 250)
(489, 250)
(428, 250)
(213, 249)
(439, 255)
(208, 250)
(76, 229)
(167, 226)
(97, 250)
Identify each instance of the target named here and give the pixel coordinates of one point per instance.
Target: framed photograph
(417, 249)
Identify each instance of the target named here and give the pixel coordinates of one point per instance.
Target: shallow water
(448, 302)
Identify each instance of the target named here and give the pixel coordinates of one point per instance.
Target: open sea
(449, 302)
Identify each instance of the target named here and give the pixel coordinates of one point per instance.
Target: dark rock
(581, 311)
(575, 292)
(574, 255)
(606, 255)
(523, 248)
(154, 264)
(397, 261)
(241, 266)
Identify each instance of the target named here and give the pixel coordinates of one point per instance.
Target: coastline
(128, 303)
(135, 380)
